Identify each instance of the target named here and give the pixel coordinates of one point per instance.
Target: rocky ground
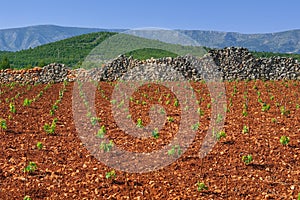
(66, 170)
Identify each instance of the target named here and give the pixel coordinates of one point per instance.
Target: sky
(252, 16)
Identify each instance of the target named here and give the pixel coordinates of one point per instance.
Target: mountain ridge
(16, 39)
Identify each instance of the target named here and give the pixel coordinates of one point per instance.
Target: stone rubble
(230, 63)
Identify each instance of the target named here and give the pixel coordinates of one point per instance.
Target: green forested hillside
(73, 51)
(70, 51)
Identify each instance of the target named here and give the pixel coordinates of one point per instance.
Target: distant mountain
(281, 42)
(16, 39)
(28, 37)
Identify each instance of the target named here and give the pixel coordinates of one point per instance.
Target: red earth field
(64, 169)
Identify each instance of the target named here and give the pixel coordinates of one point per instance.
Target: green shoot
(101, 132)
(247, 159)
(201, 186)
(30, 168)
(155, 133)
(284, 140)
(39, 145)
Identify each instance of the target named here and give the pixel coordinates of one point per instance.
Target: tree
(4, 63)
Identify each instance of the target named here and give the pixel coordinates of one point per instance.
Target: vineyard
(257, 154)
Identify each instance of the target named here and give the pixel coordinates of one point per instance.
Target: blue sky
(222, 15)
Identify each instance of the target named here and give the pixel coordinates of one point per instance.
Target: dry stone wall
(232, 63)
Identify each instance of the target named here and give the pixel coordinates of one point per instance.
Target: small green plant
(265, 107)
(247, 159)
(259, 100)
(113, 101)
(39, 145)
(111, 175)
(245, 113)
(297, 106)
(3, 124)
(201, 186)
(12, 108)
(272, 97)
(170, 119)
(195, 126)
(258, 93)
(30, 168)
(101, 132)
(27, 102)
(175, 149)
(139, 123)
(208, 106)
(106, 147)
(245, 129)
(221, 134)
(176, 103)
(50, 129)
(168, 102)
(155, 133)
(284, 111)
(284, 140)
(299, 196)
(95, 120)
(274, 120)
(200, 112)
(27, 198)
(219, 118)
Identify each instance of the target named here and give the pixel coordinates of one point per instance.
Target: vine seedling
(101, 132)
(155, 133)
(50, 129)
(39, 145)
(31, 167)
(284, 140)
(284, 111)
(247, 159)
(12, 108)
(27, 102)
(170, 119)
(195, 126)
(110, 175)
(139, 123)
(245, 129)
(175, 149)
(95, 120)
(27, 198)
(221, 134)
(201, 186)
(106, 147)
(3, 125)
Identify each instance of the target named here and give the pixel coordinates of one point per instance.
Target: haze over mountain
(28, 37)
(16, 39)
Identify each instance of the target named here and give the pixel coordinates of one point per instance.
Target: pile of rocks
(239, 63)
(227, 64)
(55, 73)
(51, 73)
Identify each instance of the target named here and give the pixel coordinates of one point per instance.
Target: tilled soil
(67, 170)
